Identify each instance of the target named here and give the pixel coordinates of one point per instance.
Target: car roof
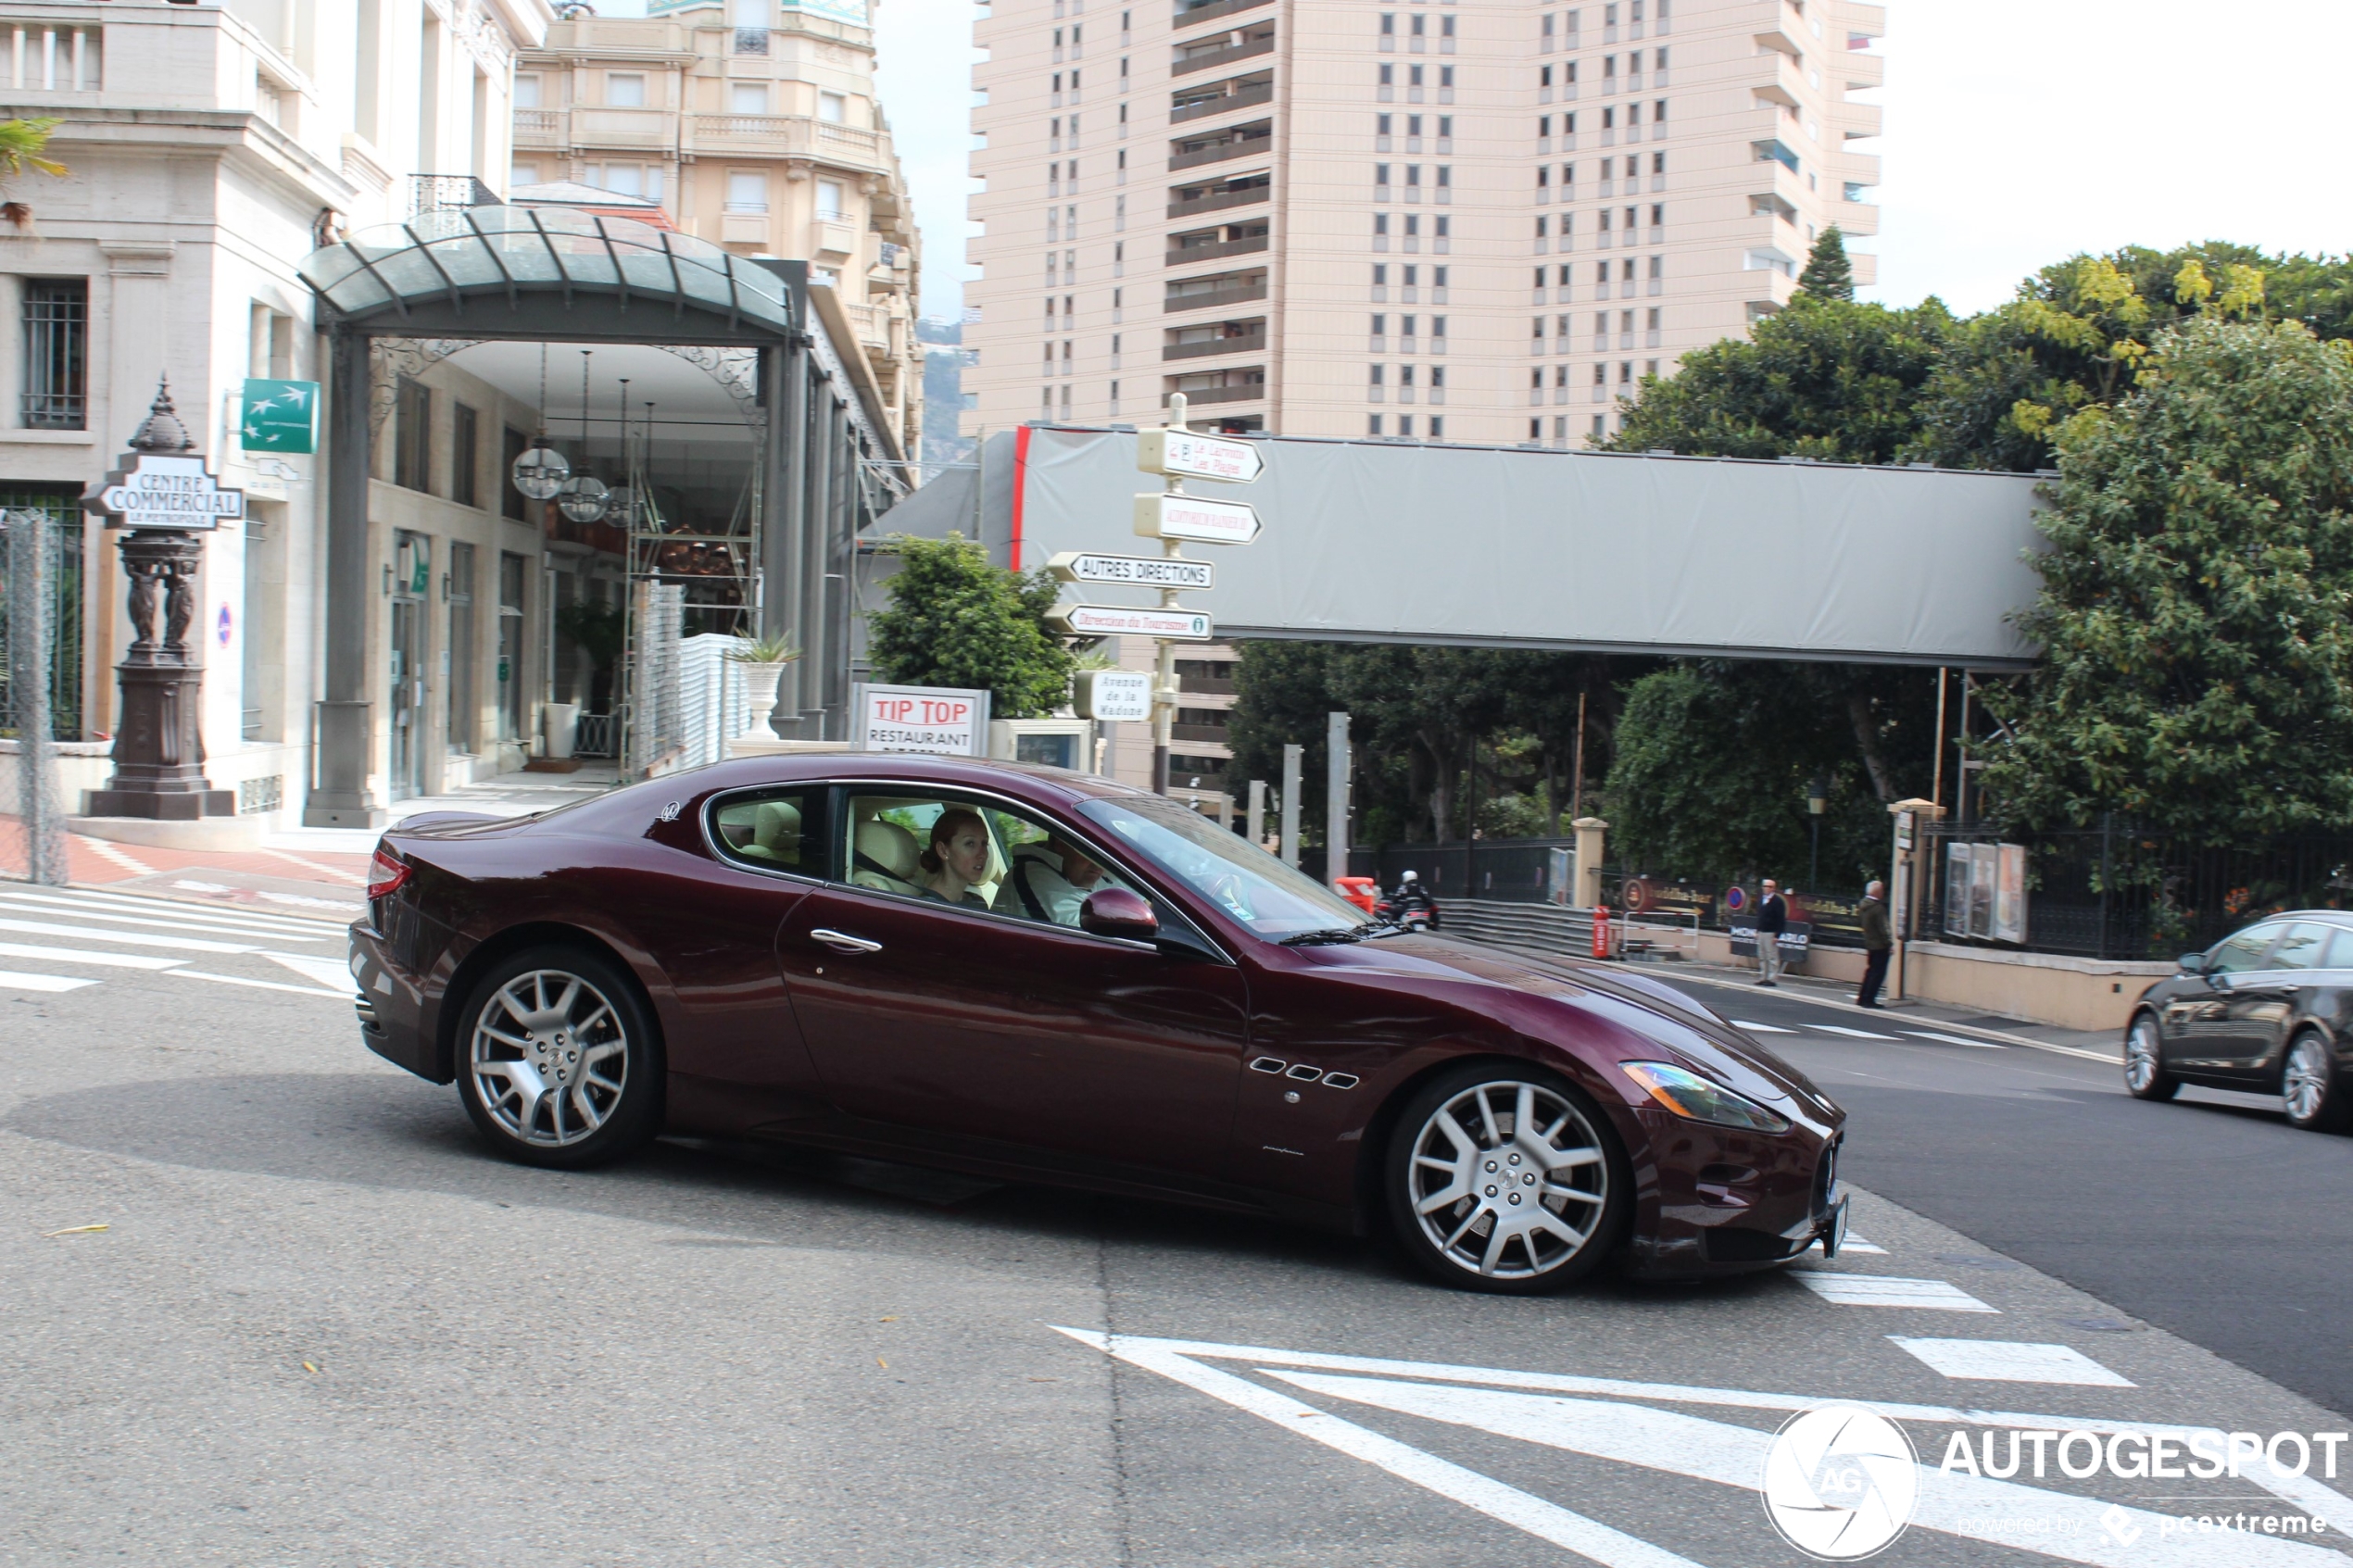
(975, 772)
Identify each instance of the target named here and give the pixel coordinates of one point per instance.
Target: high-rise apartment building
(755, 125)
(1478, 220)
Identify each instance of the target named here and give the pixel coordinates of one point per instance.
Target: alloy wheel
(2305, 1086)
(1508, 1180)
(2142, 1065)
(549, 1058)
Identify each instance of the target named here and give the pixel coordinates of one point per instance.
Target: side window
(773, 829)
(2243, 951)
(2302, 947)
(969, 853)
(2340, 949)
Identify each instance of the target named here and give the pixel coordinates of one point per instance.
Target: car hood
(1652, 1007)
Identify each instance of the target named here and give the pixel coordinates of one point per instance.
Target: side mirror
(2191, 963)
(1119, 911)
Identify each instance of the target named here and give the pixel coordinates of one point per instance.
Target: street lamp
(541, 471)
(1818, 800)
(583, 497)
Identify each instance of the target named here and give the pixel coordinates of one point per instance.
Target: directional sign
(1187, 456)
(1141, 572)
(1189, 517)
(1106, 621)
(161, 491)
(1122, 695)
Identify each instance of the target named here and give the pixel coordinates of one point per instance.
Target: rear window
(773, 829)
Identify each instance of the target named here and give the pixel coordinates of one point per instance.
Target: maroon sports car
(1036, 974)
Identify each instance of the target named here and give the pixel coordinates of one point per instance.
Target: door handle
(842, 942)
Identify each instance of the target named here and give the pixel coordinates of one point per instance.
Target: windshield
(1272, 900)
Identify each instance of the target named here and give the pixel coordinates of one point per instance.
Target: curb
(1995, 1036)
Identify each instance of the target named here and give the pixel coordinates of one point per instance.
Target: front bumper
(1723, 1202)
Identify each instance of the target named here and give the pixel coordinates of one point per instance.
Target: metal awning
(481, 271)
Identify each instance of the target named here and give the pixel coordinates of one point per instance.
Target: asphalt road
(321, 1326)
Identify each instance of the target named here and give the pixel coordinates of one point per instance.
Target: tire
(1447, 1176)
(566, 1019)
(2144, 1074)
(2318, 1101)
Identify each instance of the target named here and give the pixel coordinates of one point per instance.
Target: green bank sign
(281, 415)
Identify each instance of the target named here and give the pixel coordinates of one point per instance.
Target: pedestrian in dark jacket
(1878, 943)
(1772, 920)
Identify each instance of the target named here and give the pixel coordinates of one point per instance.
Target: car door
(2266, 1003)
(1003, 1036)
(2209, 1019)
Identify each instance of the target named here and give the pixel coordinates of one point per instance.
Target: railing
(594, 736)
(1250, 343)
(1245, 392)
(1187, 16)
(1262, 92)
(1222, 200)
(1214, 298)
(792, 133)
(539, 122)
(50, 58)
(1248, 49)
(446, 192)
(751, 40)
(1233, 147)
(54, 410)
(1214, 734)
(1184, 256)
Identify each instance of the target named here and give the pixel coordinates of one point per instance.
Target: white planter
(760, 692)
(560, 720)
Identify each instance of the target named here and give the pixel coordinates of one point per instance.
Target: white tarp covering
(1505, 548)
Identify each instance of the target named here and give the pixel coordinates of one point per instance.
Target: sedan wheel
(2315, 1099)
(2144, 1073)
(1505, 1181)
(559, 1065)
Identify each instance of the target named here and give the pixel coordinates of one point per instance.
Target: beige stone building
(755, 125)
(1469, 222)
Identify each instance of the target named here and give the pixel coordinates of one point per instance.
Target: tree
(955, 619)
(2197, 667)
(1829, 275)
(1825, 378)
(22, 142)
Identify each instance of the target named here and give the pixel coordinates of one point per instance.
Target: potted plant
(763, 659)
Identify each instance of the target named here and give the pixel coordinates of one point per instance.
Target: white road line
(320, 970)
(11, 979)
(1549, 1521)
(107, 851)
(300, 900)
(2011, 1361)
(1954, 1039)
(265, 985)
(128, 938)
(357, 879)
(196, 920)
(136, 904)
(1856, 1244)
(1889, 1290)
(84, 955)
(1761, 1028)
(1850, 1033)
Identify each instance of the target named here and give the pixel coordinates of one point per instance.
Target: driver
(1052, 878)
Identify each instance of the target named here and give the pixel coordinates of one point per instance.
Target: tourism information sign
(1112, 620)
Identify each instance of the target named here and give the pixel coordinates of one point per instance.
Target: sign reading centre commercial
(1142, 572)
(941, 720)
(167, 493)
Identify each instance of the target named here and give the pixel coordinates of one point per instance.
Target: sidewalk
(319, 871)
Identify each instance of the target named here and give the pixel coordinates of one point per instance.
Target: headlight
(1702, 1099)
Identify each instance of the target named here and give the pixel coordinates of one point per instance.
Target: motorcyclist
(1411, 899)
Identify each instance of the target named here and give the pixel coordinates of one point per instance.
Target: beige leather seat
(886, 857)
(776, 831)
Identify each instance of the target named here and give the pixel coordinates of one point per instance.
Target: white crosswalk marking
(128, 938)
(323, 972)
(10, 979)
(84, 955)
(1761, 1028)
(1952, 1040)
(262, 985)
(1889, 1290)
(1850, 1033)
(2011, 1361)
(195, 919)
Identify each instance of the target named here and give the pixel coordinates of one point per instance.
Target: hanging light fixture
(621, 497)
(541, 471)
(583, 497)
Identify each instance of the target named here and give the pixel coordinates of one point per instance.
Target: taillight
(387, 875)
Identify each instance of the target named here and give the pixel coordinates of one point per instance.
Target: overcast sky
(2018, 132)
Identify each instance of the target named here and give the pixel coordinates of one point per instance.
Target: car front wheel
(2144, 1073)
(557, 1061)
(2315, 1099)
(1507, 1179)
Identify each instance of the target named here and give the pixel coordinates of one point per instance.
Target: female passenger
(957, 861)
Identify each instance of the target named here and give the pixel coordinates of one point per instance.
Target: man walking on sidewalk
(1878, 942)
(1772, 919)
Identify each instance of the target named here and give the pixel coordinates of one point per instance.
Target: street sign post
(1110, 621)
(1182, 454)
(1119, 695)
(1192, 518)
(1139, 572)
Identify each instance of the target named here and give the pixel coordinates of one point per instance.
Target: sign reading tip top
(1180, 453)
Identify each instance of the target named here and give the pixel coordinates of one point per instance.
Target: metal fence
(1512, 871)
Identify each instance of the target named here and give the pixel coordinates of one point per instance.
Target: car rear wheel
(557, 1061)
(2144, 1073)
(1507, 1179)
(2315, 1099)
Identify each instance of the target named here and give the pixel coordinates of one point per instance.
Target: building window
(526, 91)
(625, 90)
(1437, 428)
(748, 97)
(463, 703)
(56, 353)
(1372, 424)
(834, 108)
(520, 173)
(747, 191)
(412, 436)
(830, 202)
(465, 455)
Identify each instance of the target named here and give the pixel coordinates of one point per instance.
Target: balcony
(1239, 392)
(1188, 255)
(1862, 70)
(1210, 59)
(637, 130)
(1246, 343)
(1857, 121)
(1212, 734)
(770, 135)
(539, 128)
(1207, 294)
(1248, 197)
(1210, 10)
(1241, 97)
(1239, 141)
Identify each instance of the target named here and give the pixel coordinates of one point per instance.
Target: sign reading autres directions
(1625, 1421)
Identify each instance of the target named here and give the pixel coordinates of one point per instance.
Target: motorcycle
(1419, 914)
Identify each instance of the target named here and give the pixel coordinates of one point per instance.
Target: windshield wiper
(1325, 938)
